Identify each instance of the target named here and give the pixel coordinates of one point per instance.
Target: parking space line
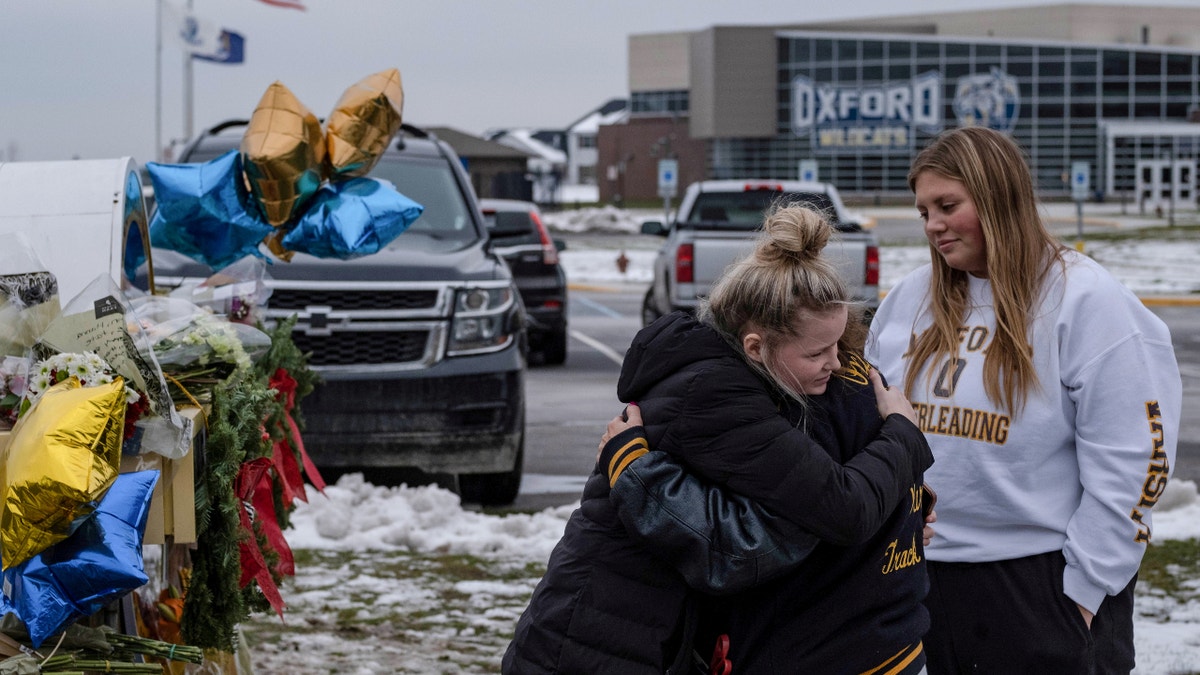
(598, 346)
(607, 311)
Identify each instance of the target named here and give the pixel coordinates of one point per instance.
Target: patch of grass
(462, 568)
(1170, 565)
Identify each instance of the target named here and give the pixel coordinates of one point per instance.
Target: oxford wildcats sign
(866, 117)
(853, 118)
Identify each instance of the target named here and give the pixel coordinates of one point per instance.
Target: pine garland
(286, 355)
(214, 602)
(241, 410)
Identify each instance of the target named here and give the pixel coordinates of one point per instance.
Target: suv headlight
(483, 319)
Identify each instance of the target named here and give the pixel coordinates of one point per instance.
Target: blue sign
(1081, 180)
(668, 177)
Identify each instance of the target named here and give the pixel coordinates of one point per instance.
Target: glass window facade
(864, 105)
(659, 102)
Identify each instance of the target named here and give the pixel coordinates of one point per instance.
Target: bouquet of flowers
(22, 384)
(195, 348)
(91, 370)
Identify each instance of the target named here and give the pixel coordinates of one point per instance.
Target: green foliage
(242, 408)
(214, 602)
(284, 354)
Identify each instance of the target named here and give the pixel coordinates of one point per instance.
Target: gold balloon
(64, 454)
(363, 122)
(283, 151)
(274, 242)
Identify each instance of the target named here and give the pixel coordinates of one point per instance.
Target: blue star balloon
(202, 211)
(97, 564)
(352, 218)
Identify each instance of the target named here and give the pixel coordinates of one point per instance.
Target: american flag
(291, 4)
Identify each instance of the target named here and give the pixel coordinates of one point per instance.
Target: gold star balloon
(282, 150)
(362, 124)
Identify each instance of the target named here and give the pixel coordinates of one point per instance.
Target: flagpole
(158, 144)
(187, 88)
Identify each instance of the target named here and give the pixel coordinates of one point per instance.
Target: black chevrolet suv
(421, 346)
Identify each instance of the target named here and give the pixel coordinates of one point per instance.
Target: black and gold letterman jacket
(619, 594)
(844, 608)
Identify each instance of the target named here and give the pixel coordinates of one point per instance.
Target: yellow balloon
(283, 151)
(64, 454)
(362, 123)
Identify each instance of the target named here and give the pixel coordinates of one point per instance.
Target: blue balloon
(353, 218)
(100, 562)
(202, 211)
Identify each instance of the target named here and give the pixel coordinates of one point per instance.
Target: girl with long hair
(1051, 399)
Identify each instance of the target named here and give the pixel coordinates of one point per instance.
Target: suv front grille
(348, 300)
(362, 348)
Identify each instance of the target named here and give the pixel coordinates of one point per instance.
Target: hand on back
(891, 400)
(630, 417)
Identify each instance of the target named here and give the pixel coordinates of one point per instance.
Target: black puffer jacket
(703, 405)
(844, 609)
(607, 604)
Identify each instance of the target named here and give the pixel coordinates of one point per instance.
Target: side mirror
(655, 228)
(560, 245)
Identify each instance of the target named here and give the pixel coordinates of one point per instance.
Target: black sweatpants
(1011, 616)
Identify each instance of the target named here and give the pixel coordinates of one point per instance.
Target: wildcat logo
(990, 100)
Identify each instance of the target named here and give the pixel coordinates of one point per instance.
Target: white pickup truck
(716, 224)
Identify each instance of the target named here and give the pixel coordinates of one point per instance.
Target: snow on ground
(404, 580)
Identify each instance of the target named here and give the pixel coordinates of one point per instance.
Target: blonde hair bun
(793, 232)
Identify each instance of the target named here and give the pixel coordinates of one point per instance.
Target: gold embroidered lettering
(896, 559)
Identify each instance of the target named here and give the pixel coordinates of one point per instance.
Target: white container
(84, 218)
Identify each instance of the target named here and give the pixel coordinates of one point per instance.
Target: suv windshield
(745, 210)
(430, 184)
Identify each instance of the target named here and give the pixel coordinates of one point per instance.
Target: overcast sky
(77, 77)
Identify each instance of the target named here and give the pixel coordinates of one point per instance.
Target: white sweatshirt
(1079, 468)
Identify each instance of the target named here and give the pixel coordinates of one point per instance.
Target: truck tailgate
(714, 251)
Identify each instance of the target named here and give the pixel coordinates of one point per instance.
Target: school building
(1105, 99)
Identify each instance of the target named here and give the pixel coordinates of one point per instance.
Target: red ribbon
(285, 458)
(264, 508)
(254, 565)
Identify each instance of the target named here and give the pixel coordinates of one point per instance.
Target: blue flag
(230, 49)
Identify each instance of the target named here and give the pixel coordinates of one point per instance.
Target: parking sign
(668, 177)
(808, 170)
(1080, 180)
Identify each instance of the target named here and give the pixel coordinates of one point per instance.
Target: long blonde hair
(1019, 250)
(772, 290)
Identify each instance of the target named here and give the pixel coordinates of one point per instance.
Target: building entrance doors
(1164, 184)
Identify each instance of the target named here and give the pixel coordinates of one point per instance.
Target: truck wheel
(554, 349)
(493, 489)
(650, 313)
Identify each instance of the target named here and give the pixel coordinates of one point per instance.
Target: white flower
(39, 384)
(89, 368)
